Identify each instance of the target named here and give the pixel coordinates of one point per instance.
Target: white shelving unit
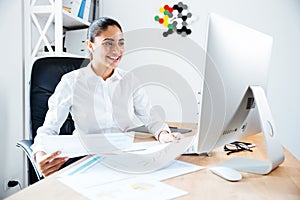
(52, 12)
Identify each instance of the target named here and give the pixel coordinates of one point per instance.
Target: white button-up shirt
(98, 106)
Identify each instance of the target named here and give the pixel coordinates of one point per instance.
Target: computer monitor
(234, 104)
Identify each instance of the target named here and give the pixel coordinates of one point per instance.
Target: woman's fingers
(49, 163)
(177, 135)
(54, 167)
(55, 162)
(166, 137)
(48, 157)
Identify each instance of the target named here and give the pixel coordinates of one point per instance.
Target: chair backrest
(46, 74)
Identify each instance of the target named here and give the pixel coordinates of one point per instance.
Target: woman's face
(108, 47)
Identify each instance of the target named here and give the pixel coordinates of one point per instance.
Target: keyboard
(144, 129)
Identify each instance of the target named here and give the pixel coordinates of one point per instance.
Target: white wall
(11, 94)
(278, 18)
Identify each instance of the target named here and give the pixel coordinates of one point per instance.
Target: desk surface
(282, 183)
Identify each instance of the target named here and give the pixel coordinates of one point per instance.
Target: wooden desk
(283, 183)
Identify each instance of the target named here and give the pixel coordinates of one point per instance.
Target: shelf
(63, 54)
(46, 18)
(71, 21)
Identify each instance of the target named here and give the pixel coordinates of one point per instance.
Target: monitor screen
(237, 57)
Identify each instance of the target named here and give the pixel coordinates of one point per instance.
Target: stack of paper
(80, 145)
(96, 181)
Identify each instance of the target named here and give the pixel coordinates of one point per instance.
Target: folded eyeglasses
(237, 146)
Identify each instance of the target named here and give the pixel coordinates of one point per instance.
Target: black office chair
(45, 75)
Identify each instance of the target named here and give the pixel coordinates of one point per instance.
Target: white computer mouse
(226, 173)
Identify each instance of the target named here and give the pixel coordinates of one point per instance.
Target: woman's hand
(166, 137)
(49, 163)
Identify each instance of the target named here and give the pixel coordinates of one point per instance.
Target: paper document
(96, 181)
(133, 188)
(150, 159)
(145, 146)
(176, 168)
(79, 145)
(124, 176)
(93, 166)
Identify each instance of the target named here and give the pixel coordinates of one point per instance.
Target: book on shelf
(97, 9)
(92, 14)
(67, 5)
(67, 9)
(87, 10)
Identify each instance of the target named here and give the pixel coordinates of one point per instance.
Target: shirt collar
(116, 74)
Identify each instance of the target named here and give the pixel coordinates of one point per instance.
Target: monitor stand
(273, 147)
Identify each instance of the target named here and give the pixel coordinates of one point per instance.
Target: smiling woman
(89, 95)
(106, 42)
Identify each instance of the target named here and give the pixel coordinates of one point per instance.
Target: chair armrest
(25, 146)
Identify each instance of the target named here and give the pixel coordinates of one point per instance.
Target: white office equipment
(226, 173)
(234, 104)
(75, 42)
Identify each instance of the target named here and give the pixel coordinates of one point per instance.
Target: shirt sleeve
(59, 105)
(147, 114)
